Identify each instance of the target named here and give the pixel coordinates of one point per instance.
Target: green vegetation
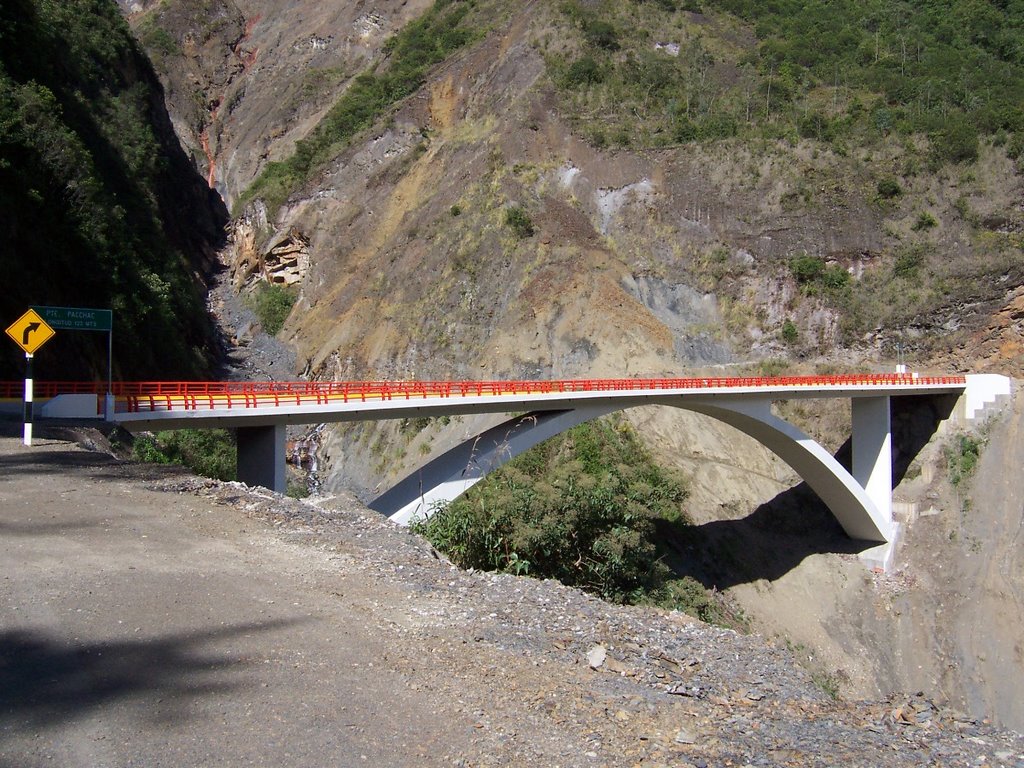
(889, 188)
(98, 205)
(951, 70)
(518, 220)
(908, 262)
(157, 40)
(924, 221)
(418, 46)
(817, 278)
(272, 304)
(583, 508)
(208, 452)
(789, 332)
(962, 457)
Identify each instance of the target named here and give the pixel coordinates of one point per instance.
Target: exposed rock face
(284, 260)
(247, 78)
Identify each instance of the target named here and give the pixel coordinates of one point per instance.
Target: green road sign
(76, 318)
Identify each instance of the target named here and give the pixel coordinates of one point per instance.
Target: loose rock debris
(592, 683)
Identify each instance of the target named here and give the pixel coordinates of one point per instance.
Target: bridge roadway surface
(860, 498)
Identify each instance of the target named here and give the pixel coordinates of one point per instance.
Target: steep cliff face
(99, 206)
(247, 78)
(473, 232)
(692, 245)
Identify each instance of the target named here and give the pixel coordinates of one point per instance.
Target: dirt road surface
(151, 618)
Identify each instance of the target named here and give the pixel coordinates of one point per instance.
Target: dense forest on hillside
(99, 207)
(838, 72)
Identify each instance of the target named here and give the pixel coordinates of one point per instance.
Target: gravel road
(152, 618)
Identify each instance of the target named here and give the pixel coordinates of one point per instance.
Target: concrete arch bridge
(860, 498)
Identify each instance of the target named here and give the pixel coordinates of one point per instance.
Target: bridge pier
(872, 450)
(262, 456)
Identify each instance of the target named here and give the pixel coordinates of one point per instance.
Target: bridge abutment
(262, 456)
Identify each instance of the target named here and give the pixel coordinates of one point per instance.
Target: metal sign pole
(108, 404)
(28, 400)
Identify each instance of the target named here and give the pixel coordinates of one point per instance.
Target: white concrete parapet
(983, 389)
(70, 407)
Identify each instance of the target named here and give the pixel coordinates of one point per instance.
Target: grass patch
(272, 304)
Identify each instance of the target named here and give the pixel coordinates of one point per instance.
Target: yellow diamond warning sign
(30, 332)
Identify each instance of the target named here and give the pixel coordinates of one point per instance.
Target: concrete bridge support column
(872, 450)
(261, 456)
(872, 469)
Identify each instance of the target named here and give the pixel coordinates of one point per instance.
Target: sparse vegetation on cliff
(272, 304)
(410, 53)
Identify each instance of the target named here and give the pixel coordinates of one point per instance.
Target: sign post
(86, 319)
(29, 332)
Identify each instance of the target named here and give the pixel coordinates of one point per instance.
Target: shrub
(689, 596)
(583, 71)
(806, 269)
(924, 221)
(789, 332)
(1015, 147)
(956, 143)
(601, 34)
(815, 277)
(814, 125)
(272, 304)
(580, 508)
(835, 280)
(962, 457)
(908, 262)
(685, 129)
(519, 222)
(889, 188)
(208, 452)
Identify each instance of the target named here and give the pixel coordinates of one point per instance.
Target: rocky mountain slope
(481, 228)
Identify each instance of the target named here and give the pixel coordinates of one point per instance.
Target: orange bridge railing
(190, 395)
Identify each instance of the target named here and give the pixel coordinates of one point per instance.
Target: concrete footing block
(883, 557)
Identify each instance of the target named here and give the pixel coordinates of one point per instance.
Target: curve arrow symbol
(28, 332)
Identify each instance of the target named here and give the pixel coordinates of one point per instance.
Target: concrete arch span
(861, 501)
(454, 472)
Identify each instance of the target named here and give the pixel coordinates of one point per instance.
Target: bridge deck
(169, 404)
